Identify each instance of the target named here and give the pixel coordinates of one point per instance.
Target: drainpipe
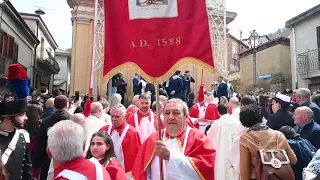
(295, 57)
(35, 59)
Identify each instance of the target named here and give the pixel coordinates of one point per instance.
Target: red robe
(229, 109)
(130, 119)
(198, 148)
(131, 109)
(82, 166)
(130, 144)
(114, 169)
(211, 113)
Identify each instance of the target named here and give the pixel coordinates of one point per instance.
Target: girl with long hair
(263, 101)
(33, 113)
(102, 148)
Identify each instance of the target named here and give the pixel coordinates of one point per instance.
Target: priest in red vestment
(125, 138)
(145, 121)
(133, 107)
(186, 152)
(202, 113)
(65, 142)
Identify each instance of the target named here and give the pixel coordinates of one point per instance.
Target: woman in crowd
(281, 116)
(33, 113)
(263, 101)
(224, 100)
(101, 148)
(258, 132)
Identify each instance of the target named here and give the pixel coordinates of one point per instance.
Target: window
(42, 48)
(318, 36)
(234, 52)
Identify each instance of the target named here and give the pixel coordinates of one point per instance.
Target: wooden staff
(159, 125)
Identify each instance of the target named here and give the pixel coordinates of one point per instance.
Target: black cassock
(19, 164)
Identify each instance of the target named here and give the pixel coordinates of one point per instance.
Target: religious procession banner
(155, 37)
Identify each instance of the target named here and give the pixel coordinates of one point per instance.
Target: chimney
(240, 35)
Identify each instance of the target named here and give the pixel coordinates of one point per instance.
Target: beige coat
(249, 150)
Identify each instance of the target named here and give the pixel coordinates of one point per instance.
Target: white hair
(135, 99)
(65, 141)
(304, 92)
(115, 99)
(78, 118)
(121, 108)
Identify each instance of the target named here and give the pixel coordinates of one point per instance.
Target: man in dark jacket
(222, 88)
(303, 149)
(190, 80)
(49, 108)
(306, 126)
(303, 96)
(176, 86)
(40, 157)
(14, 141)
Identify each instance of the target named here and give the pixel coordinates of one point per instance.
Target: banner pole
(159, 125)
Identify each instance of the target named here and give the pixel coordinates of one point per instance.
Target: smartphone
(77, 96)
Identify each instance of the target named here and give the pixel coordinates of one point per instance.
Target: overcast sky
(265, 16)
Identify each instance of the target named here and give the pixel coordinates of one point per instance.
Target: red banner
(156, 37)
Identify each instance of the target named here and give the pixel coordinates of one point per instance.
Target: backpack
(273, 164)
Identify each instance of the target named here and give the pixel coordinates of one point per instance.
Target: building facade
(234, 48)
(62, 79)
(273, 67)
(305, 44)
(17, 43)
(45, 64)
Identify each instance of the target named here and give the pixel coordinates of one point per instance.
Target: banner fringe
(157, 80)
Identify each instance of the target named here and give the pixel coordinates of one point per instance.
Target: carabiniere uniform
(18, 165)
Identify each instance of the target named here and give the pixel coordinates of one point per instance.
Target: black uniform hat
(13, 108)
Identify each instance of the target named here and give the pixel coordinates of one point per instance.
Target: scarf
(258, 127)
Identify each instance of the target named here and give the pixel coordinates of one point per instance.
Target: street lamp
(254, 42)
(39, 12)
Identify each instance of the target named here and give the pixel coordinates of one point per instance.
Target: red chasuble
(114, 169)
(82, 166)
(130, 119)
(211, 113)
(130, 144)
(199, 150)
(131, 109)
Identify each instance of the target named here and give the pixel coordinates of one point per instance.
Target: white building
(305, 44)
(46, 66)
(62, 80)
(17, 43)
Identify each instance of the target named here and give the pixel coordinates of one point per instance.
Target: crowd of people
(218, 135)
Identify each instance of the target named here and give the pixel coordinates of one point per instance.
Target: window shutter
(5, 45)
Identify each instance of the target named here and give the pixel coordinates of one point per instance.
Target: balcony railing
(53, 62)
(4, 64)
(48, 62)
(308, 62)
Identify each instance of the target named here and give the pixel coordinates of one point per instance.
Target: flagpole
(159, 125)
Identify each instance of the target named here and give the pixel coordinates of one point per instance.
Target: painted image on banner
(147, 9)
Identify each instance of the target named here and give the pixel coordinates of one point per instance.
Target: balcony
(4, 64)
(48, 63)
(309, 64)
